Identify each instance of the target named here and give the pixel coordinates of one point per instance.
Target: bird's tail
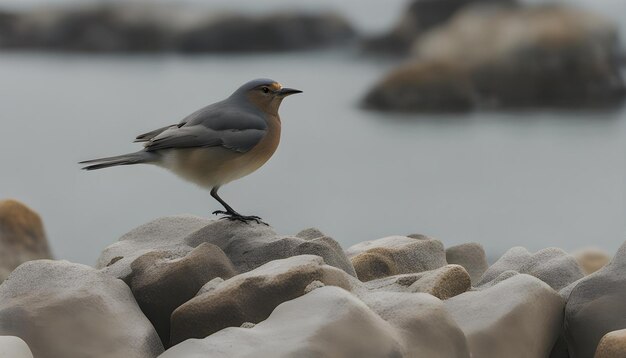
(125, 159)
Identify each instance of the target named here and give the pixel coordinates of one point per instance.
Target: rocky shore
(185, 286)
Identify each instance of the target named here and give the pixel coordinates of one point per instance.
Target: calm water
(534, 178)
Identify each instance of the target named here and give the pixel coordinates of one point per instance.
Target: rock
(552, 265)
(547, 56)
(248, 246)
(278, 32)
(596, 307)
(22, 236)
(310, 233)
(420, 17)
(471, 256)
(425, 327)
(161, 284)
(395, 255)
(70, 310)
(486, 318)
(591, 259)
(443, 283)
(612, 345)
(14, 347)
(327, 322)
(252, 296)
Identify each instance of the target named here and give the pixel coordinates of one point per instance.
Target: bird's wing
(147, 136)
(232, 129)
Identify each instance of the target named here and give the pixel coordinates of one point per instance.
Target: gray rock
(248, 246)
(252, 296)
(485, 317)
(612, 345)
(471, 256)
(395, 255)
(574, 56)
(310, 233)
(161, 283)
(328, 322)
(14, 347)
(443, 283)
(69, 310)
(596, 307)
(552, 265)
(22, 237)
(425, 327)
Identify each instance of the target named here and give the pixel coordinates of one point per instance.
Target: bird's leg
(230, 213)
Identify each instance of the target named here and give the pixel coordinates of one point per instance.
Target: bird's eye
(265, 90)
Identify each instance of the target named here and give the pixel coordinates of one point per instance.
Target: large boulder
(596, 307)
(471, 256)
(252, 296)
(161, 283)
(419, 17)
(395, 255)
(534, 56)
(69, 310)
(591, 259)
(552, 265)
(277, 32)
(247, 245)
(327, 322)
(612, 345)
(22, 236)
(520, 316)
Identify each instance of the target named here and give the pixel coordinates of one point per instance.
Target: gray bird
(217, 144)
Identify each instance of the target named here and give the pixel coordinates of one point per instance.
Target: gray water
(535, 178)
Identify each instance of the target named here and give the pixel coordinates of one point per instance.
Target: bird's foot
(239, 217)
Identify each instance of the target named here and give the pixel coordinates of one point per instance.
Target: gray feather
(147, 136)
(126, 159)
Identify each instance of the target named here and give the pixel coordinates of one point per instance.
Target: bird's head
(265, 94)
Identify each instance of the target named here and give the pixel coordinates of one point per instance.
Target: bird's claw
(241, 218)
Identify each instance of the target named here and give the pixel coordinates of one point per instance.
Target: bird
(216, 144)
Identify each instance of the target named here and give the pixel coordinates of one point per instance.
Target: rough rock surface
(612, 345)
(161, 284)
(69, 310)
(596, 307)
(14, 347)
(443, 283)
(395, 255)
(536, 56)
(248, 246)
(591, 259)
(471, 256)
(252, 296)
(22, 237)
(518, 317)
(327, 322)
(552, 265)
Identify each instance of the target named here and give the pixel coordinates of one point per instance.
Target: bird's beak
(284, 92)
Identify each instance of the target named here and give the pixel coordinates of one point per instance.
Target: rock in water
(66, 310)
(252, 296)
(518, 317)
(22, 237)
(547, 56)
(395, 255)
(596, 307)
(471, 256)
(161, 283)
(327, 322)
(612, 345)
(552, 265)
